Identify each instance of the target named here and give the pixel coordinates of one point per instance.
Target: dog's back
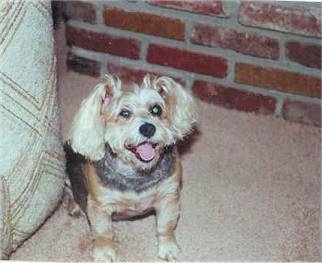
(75, 169)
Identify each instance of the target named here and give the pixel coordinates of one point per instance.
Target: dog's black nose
(147, 129)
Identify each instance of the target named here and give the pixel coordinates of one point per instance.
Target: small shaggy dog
(122, 159)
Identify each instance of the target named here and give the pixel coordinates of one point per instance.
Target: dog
(122, 158)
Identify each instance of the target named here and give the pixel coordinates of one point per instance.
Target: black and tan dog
(122, 158)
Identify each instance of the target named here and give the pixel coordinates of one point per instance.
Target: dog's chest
(128, 204)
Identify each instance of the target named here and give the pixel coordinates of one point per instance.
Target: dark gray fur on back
(138, 181)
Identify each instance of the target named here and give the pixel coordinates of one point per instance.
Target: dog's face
(138, 127)
(137, 123)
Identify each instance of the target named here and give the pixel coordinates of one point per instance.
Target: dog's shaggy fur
(122, 159)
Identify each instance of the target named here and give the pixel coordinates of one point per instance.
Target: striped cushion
(31, 157)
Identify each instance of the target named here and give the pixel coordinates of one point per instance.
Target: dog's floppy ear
(180, 103)
(86, 135)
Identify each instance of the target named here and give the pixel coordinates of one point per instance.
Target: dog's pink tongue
(145, 151)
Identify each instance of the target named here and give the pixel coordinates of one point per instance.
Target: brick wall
(262, 57)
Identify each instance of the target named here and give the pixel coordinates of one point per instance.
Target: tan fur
(87, 129)
(106, 204)
(98, 122)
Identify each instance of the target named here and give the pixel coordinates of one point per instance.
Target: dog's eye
(126, 114)
(156, 110)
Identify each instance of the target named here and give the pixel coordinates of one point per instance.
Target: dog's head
(137, 124)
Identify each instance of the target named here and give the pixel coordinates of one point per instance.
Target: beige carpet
(252, 191)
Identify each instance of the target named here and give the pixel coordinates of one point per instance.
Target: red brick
(145, 23)
(246, 43)
(304, 53)
(102, 42)
(80, 11)
(303, 112)
(233, 99)
(187, 60)
(129, 74)
(125, 73)
(209, 7)
(83, 65)
(297, 20)
(281, 80)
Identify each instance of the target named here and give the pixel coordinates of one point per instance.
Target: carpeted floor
(252, 191)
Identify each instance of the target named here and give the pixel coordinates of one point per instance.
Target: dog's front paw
(104, 254)
(168, 250)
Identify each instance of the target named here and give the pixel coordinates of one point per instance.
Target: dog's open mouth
(144, 151)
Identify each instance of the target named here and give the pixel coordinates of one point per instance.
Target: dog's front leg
(167, 214)
(101, 227)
